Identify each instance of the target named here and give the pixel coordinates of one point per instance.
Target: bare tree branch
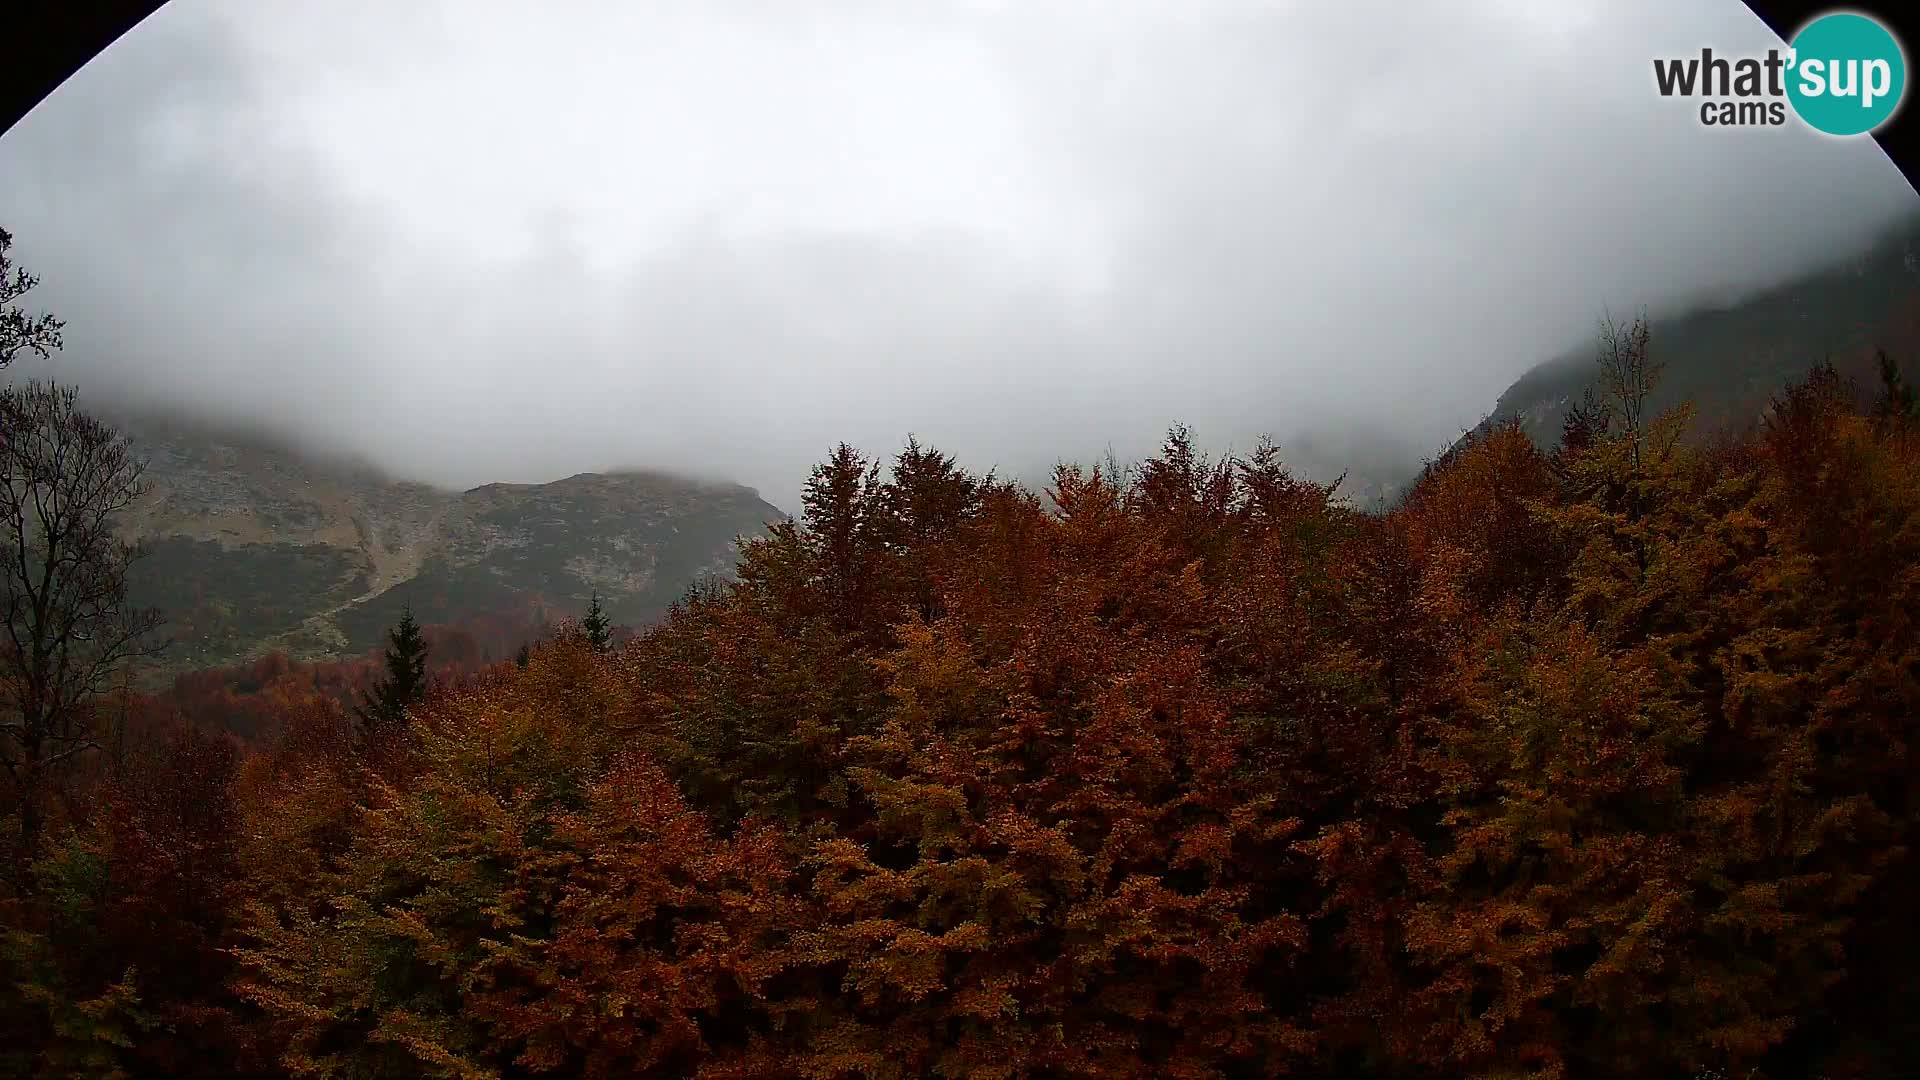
(20, 332)
(63, 477)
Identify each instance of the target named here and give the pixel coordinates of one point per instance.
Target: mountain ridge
(1730, 357)
(255, 545)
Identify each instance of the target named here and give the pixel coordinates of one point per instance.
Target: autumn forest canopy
(1591, 761)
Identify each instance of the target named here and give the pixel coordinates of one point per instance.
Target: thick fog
(481, 241)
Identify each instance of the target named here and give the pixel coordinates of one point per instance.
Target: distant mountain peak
(255, 545)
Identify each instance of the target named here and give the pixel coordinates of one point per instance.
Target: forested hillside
(1596, 762)
(1729, 359)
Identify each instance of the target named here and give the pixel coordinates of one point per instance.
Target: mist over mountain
(1731, 356)
(376, 362)
(253, 546)
(720, 243)
(460, 339)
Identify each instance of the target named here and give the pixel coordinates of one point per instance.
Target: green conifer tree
(597, 627)
(1897, 403)
(405, 684)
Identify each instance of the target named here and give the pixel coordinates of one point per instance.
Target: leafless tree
(1629, 374)
(70, 629)
(20, 332)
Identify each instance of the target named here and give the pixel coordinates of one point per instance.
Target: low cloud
(475, 245)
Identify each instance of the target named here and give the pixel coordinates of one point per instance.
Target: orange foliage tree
(1587, 762)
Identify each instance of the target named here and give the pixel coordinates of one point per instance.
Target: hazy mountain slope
(1730, 360)
(255, 546)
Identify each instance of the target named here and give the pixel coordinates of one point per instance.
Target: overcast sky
(480, 240)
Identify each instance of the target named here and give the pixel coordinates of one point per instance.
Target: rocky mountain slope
(254, 547)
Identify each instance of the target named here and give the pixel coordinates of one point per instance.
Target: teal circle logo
(1848, 74)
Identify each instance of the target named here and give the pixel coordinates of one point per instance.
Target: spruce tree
(1897, 403)
(597, 627)
(845, 520)
(523, 657)
(405, 684)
